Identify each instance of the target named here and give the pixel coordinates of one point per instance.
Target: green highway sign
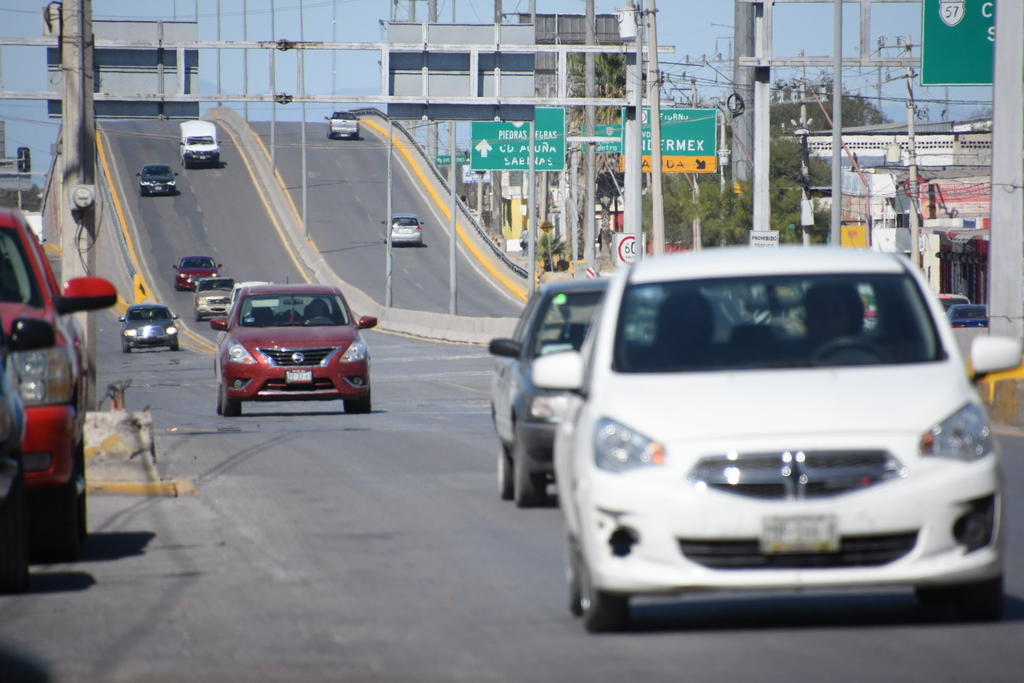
(609, 130)
(958, 41)
(446, 159)
(689, 140)
(500, 146)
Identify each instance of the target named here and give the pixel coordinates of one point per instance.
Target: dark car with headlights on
(157, 179)
(292, 343)
(556, 318)
(191, 268)
(147, 326)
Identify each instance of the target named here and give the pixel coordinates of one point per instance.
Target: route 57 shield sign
(952, 11)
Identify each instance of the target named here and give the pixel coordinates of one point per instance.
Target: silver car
(212, 297)
(148, 325)
(406, 229)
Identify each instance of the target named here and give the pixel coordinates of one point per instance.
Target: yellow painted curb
(171, 488)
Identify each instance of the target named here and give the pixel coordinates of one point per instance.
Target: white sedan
(795, 418)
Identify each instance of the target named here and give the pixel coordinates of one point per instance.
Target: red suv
(54, 383)
(292, 343)
(191, 268)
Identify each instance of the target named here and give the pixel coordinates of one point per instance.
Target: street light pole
(631, 26)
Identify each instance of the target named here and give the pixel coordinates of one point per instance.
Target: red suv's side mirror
(86, 294)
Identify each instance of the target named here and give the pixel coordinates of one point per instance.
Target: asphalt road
(325, 546)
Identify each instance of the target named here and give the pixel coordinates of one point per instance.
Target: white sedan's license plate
(799, 534)
(298, 376)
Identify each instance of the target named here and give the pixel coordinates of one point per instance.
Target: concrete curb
(120, 456)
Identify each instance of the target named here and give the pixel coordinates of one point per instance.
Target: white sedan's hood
(884, 399)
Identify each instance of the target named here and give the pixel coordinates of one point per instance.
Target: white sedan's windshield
(774, 321)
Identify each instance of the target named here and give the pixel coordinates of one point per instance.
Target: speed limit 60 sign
(625, 248)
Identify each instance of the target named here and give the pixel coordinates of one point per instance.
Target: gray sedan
(148, 325)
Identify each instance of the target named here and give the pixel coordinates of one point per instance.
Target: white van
(199, 144)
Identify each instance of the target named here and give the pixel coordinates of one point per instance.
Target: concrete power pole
(432, 140)
(654, 98)
(633, 180)
(743, 77)
(78, 136)
(1007, 173)
(590, 162)
(78, 152)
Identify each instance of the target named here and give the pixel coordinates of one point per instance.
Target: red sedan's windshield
(282, 310)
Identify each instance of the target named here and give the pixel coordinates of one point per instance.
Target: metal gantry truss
(563, 99)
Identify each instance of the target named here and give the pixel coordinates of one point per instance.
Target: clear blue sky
(700, 30)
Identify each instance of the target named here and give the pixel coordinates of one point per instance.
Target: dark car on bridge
(292, 343)
(556, 318)
(157, 179)
(191, 268)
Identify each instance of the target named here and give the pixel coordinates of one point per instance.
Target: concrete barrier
(120, 455)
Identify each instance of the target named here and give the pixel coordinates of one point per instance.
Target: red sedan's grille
(298, 357)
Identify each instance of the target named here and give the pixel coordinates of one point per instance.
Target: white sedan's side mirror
(559, 371)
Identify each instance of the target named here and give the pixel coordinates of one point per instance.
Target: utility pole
(654, 98)
(743, 77)
(634, 139)
(1007, 173)
(590, 163)
(245, 58)
(78, 136)
(915, 223)
(273, 90)
(301, 77)
(806, 214)
(498, 177)
(837, 122)
(432, 139)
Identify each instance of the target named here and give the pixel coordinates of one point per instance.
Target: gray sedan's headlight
(549, 407)
(964, 435)
(618, 448)
(131, 332)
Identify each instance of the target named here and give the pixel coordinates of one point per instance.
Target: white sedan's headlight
(964, 435)
(355, 351)
(618, 448)
(239, 354)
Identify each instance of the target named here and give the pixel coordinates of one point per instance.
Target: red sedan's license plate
(799, 534)
(298, 376)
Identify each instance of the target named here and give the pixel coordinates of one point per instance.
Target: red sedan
(190, 268)
(292, 343)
